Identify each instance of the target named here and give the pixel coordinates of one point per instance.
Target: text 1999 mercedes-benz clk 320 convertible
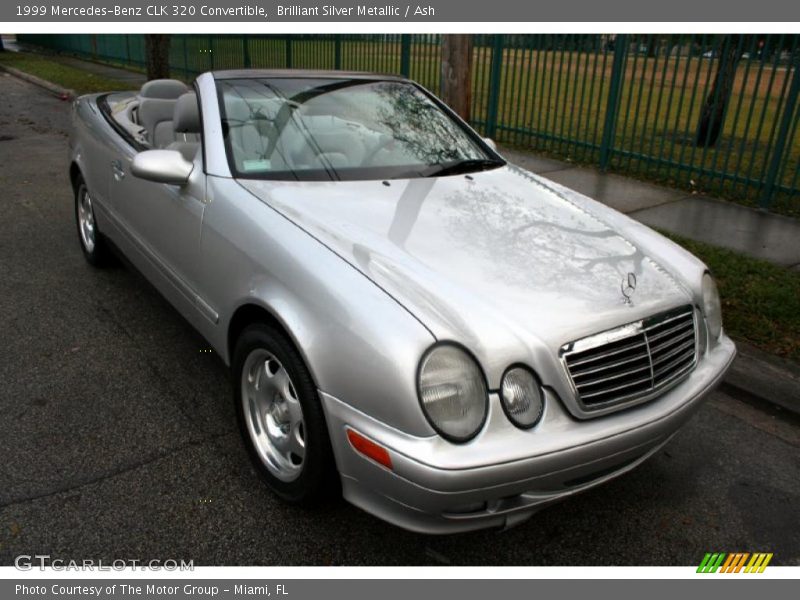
(450, 340)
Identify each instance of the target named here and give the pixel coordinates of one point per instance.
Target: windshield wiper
(467, 165)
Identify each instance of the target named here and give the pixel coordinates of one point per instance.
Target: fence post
(337, 52)
(185, 39)
(612, 106)
(211, 51)
(783, 133)
(405, 54)
(289, 51)
(246, 50)
(495, 73)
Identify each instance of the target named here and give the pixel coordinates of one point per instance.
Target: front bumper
(505, 474)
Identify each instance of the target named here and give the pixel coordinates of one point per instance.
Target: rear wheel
(93, 245)
(281, 418)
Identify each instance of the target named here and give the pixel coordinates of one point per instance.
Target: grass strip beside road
(78, 80)
(760, 300)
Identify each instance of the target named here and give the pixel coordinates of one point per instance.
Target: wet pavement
(771, 237)
(119, 439)
(757, 233)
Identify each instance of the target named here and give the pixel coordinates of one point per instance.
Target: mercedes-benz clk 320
(451, 341)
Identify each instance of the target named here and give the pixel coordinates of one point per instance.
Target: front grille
(634, 361)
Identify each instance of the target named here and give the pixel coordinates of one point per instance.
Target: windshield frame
(370, 173)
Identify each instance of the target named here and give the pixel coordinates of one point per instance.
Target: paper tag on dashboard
(256, 165)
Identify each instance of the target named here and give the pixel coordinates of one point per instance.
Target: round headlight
(712, 309)
(453, 393)
(522, 397)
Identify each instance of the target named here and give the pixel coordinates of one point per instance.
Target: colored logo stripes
(734, 562)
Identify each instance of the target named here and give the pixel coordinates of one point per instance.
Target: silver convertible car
(449, 341)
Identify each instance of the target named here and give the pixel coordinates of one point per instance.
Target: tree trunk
(712, 115)
(457, 73)
(652, 46)
(157, 55)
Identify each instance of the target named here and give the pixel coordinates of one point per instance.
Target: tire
(267, 413)
(93, 245)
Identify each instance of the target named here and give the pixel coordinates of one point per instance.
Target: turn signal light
(369, 449)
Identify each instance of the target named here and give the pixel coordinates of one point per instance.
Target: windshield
(342, 129)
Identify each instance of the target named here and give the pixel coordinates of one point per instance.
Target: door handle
(119, 172)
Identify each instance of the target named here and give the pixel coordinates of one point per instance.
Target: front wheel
(281, 418)
(92, 243)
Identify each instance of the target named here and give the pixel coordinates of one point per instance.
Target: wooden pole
(457, 73)
(157, 55)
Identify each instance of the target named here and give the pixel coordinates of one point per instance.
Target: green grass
(69, 77)
(551, 101)
(760, 300)
(556, 102)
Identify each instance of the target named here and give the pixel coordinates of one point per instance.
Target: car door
(91, 141)
(161, 225)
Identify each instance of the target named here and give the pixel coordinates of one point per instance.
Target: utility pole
(457, 73)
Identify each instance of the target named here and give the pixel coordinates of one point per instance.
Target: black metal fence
(715, 114)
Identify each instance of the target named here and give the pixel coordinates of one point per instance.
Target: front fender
(359, 343)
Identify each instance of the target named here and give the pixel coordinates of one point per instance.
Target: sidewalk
(763, 235)
(767, 236)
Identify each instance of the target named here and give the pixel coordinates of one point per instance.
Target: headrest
(237, 109)
(186, 117)
(246, 109)
(165, 89)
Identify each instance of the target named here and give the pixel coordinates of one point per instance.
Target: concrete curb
(56, 90)
(763, 377)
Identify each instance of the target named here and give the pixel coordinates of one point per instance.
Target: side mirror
(162, 166)
(490, 142)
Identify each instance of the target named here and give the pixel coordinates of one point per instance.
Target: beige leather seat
(325, 141)
(186, 125)
(249, 127)
(156, 107)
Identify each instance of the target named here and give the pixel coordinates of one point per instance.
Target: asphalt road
(118, 439)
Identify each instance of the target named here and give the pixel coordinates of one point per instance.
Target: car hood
(500, 261)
